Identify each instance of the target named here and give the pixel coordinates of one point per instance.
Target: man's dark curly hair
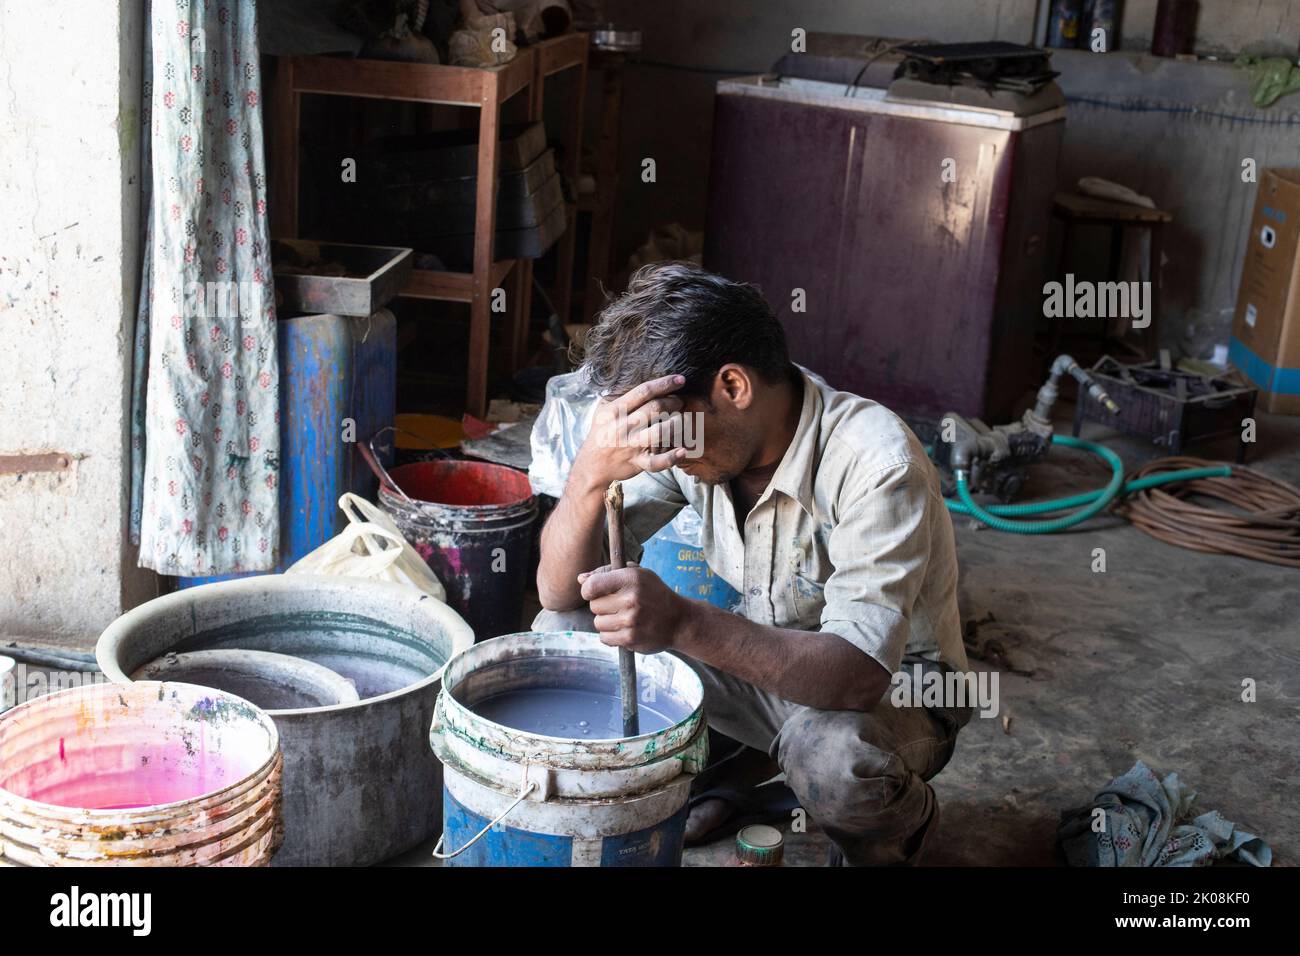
(675, 318)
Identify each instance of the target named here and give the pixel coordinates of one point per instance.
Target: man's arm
(635, 609)
(619, 446)
(571, 539)
(879, 548)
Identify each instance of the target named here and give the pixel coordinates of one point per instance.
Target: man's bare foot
(737, 773)
(705, 817)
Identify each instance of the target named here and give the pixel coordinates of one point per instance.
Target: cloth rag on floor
(1149, 822)
(205, 415)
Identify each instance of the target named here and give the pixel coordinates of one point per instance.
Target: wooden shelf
(452, 286)
(482, 89)
(567, 52)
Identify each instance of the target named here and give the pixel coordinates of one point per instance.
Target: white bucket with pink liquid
(144, 774)
(8, 692)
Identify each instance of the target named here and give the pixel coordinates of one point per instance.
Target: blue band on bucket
(504, 845)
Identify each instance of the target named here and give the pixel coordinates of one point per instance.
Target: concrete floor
(1142, 662)
(1145, 661)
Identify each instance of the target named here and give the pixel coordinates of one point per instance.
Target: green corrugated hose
(1088, 504)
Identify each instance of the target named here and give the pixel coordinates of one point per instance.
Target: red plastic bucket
(472, 522)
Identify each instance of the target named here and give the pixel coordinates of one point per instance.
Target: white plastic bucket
(8, 692)
(513, 798)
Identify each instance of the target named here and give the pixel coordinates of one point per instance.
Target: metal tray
(374, 275)
(1168, 406)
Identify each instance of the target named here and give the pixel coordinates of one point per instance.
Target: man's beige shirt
(851, 536)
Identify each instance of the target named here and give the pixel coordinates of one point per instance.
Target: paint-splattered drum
(145, 774)
(472, 522)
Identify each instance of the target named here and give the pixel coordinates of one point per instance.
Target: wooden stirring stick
(626, 659)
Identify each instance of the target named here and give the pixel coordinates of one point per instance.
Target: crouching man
(821, 507)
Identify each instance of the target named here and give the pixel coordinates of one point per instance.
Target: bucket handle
(529, 787)
(367, 449)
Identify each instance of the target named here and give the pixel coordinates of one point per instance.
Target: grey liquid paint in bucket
(582, 711)
(560, 695)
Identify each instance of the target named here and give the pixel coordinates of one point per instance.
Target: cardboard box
(1265, 341)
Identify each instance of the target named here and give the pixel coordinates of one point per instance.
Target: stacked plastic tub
(154, 774)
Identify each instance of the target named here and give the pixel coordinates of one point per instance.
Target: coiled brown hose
(1266, 528)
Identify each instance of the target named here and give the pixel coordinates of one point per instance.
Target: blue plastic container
(680, 564)
(334, 370)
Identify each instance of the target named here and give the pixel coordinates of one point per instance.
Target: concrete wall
(1176, 131)
(1179, 132)
(1223, 26)
(69, 268)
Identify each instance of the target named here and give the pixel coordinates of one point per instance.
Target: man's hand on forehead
(649, 391)
(654, 413)
(635, 432)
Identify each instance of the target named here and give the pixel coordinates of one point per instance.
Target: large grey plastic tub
(360, 784)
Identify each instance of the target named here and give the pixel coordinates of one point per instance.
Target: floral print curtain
(205, 409)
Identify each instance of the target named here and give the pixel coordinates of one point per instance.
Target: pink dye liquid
(90, 777)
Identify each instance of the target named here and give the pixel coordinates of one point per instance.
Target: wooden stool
(1075, 209)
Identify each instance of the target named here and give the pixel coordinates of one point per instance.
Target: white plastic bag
(559, 431)
(370, 547)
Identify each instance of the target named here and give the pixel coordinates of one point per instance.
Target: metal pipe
(62, 660)
(1063, 365)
